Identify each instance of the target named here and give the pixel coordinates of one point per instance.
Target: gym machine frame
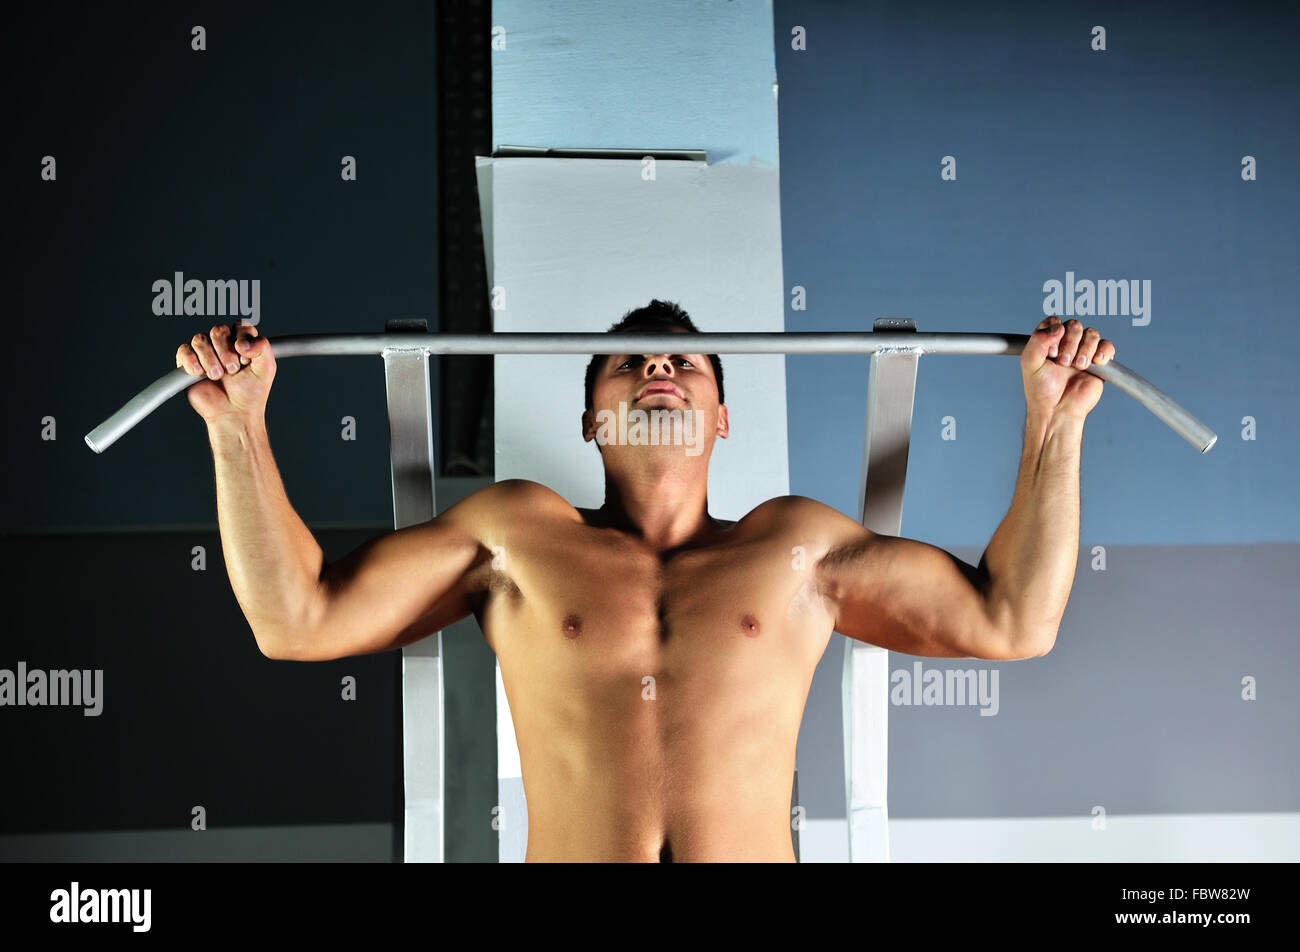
(894, 345)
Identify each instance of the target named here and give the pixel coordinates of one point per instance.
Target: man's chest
(596, 602)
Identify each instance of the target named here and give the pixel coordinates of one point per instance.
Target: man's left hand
(1054, 364)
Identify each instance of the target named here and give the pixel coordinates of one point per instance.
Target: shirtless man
(656, 659)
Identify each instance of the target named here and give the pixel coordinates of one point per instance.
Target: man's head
(655, 316)
(685, 386)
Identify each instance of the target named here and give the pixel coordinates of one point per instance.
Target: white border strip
(1132, 838)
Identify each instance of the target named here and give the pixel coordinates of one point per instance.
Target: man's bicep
(383, 594)
(909, 596)
(404, 585)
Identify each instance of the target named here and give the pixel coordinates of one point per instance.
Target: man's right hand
(240, 393)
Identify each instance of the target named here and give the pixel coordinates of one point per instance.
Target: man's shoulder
(515, 496)
(791, 507)
(798, 521)
(796, 513)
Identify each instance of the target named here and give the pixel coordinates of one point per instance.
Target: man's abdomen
(701, 764)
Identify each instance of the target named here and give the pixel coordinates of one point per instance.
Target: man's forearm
(273, 560)
(1032, 556)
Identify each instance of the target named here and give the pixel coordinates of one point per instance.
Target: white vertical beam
(865, 685)
(410, 409)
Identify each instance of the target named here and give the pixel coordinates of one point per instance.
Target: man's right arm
(391, 591)
(273, 560)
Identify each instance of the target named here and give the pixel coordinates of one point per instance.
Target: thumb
(246, 333)
(251, 348)
(1042, 344)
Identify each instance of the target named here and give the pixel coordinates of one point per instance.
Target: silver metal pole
(836, 342)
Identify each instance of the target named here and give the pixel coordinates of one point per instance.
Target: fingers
(188, 361)
(212, 354)
(224, 347)
(245, 341)
(205, 356)
(1068, 344)
(1090, 347)
(1087, 348)
(1084, 347)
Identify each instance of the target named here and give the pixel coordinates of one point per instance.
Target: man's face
(648, 382)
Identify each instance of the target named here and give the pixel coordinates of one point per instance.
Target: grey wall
(1139, 708)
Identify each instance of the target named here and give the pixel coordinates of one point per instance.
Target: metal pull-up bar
(837, 342)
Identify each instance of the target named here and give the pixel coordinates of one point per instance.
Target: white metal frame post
(891, 389)
(410, 427)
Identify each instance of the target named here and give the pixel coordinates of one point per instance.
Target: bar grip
(798, 342)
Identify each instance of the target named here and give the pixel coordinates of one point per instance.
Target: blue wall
(1117, 164)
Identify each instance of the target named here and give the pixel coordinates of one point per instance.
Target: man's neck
(666, 507)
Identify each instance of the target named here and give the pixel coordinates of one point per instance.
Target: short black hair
(655, 316)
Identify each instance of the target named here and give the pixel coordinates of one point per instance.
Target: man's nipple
(571, 626)
(749, 625)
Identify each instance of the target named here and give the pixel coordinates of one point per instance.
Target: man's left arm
(1030, 561)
